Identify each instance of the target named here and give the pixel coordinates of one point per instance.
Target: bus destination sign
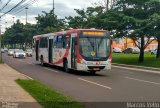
(93, 33)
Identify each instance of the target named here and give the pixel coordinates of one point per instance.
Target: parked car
(117, 50)
(19, 54)
(29, 52)
(146, 50)
(10, 52)
(153, 52)
(132, 50)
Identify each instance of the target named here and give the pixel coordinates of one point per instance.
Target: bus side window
(66, 42)
(59, 42)
(43, 43)
(54, 42)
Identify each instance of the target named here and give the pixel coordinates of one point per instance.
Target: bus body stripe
(61, 60)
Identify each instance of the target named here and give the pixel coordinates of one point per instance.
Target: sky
(62, 8)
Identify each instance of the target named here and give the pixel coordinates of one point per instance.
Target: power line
(22, 1)
(5, 5)
(22, 7)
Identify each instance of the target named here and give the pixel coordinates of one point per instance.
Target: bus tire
(42, 61)
(65, 66)
(92, 72)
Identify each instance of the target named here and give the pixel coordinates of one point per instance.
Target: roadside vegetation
(1, 61)
(136, 19)
(46, 96)
(132, 59)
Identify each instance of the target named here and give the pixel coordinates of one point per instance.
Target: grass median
(132, 59)
(46, 96)
(1, 61)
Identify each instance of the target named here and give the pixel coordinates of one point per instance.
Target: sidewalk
(141, 68)
(10, 91)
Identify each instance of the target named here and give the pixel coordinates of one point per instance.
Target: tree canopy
(137, 19)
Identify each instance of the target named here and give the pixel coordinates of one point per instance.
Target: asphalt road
(115, 85)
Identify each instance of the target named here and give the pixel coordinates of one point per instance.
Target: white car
(10, 52)
(154, 52)
(2, 50)
(5, 49)
(117, 50)
(29, 52)
(19, 54)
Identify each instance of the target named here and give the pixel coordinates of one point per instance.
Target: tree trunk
(141, 56)
(158, 48)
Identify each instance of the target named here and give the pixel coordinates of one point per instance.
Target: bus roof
(44, 35)
(65, 32)
(77, 30)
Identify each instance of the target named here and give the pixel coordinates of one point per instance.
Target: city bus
(77, 49)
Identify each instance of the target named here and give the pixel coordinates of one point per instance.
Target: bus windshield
(94, 47)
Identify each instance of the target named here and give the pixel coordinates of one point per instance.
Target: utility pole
(6, 24)
(26, 14)
(0, 35)
(53, 8)
(13, 19)
(0, 41)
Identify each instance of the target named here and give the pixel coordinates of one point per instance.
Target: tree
(154, 29)
(48, 22)
(136, 15)
(86, 18)
(19, 34)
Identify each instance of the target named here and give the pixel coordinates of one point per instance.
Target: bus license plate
(96, 69)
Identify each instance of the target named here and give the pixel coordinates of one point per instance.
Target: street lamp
(53, 8)
(13, 19)
(6, 24)
(26, 14)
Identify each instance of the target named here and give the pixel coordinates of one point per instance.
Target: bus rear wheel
(42, 61)
(65, 65)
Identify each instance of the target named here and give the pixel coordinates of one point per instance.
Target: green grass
(1, 62)
(46, 96)
(132, 59)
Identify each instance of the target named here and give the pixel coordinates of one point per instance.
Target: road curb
(137, 67)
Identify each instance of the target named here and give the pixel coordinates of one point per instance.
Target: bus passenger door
(73, 53)
(37, 50)
(50, 51)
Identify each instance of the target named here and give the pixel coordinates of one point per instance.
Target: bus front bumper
(84, 67)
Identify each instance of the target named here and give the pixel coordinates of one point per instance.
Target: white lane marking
(143, 70)
(51, 70)
(140, 80)
(27, 76)
(95, 83)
